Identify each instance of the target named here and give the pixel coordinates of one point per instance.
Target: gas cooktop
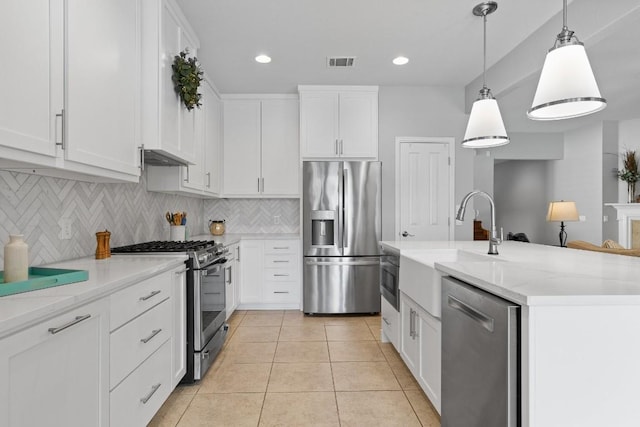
(165, 246)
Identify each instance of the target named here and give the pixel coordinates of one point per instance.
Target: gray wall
(422, 112)
(520, 193)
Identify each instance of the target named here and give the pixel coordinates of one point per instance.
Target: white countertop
(105, 277)
(532, 274)
(231, 238)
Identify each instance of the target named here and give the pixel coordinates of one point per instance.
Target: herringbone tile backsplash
(34, 205)
(255, 215)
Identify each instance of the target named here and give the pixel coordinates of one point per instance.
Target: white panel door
(241, 147)
(31, 36)
(188, 119)
(319, 124)
(179, 323)
(193, 175)
(169, 101)
(430, 356)
(424, 191)
(358, 124)
(251, 271)
(102, 119)
(280, 147)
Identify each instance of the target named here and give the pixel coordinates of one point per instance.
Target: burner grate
(164, 246)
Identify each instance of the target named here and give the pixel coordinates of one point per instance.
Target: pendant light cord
(484, 52)
(564, 15)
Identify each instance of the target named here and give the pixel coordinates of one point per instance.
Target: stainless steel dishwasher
(480, 358)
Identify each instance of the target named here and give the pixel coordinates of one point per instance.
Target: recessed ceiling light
(263, 59)
(400, 60)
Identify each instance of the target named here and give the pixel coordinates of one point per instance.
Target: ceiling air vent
(341, 61)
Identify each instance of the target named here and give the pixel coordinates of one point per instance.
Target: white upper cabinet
(212, 140)
(339, 121)
(102, 101)
(261, 147)
(167, 125)
(71, 98)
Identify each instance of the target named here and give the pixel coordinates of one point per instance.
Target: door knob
(406, 234)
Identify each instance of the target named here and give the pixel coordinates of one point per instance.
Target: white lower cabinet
(230, 280)
(420, 338)
(57, 372)
(390, 323)
(270, 274)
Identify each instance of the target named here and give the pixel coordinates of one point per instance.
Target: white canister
(177, 233)
(16, 259)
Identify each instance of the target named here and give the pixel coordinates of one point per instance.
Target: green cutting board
(42, 278)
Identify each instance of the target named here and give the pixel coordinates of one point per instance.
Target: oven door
(389, 280)
(209, 303)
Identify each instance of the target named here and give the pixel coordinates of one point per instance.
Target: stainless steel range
(206, 314)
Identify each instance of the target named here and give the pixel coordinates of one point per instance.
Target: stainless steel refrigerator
(341, 231)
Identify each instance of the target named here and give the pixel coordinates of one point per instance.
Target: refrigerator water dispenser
(323, 229)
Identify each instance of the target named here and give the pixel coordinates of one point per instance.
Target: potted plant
(629, 173)
(186, 77)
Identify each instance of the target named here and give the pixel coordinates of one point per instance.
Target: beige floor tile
(356, 332)
(250, 352)
(303, 333)
(391, 354)
(262, 320)
(265, 312)
(291, 320)
(237, 378)
(307, 351)
(344, 320)
(299, 409)
(355, 351)
(256, 334)
(375, 408)
(376, 331)
(404, 376)
(426, 413)
(291, 377)
(187, 388)
(171, 411)
(237, 409)
(374, 321)
(361, 376)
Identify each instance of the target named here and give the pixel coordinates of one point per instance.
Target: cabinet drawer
(280, 275)
(140, 395)
(272, 247)
(390, 320)
(130, 302)
(280, 292)
(283, 261)
(136, 340)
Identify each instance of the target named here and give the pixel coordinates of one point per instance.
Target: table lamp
(562, 211)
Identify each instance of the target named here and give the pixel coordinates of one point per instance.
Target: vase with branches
(629, 173)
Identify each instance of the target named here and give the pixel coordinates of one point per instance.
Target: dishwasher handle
(476, 315)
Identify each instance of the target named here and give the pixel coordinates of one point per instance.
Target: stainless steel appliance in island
(341, 230)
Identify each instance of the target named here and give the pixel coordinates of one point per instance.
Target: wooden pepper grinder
(103, 250)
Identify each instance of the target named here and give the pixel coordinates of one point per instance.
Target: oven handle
(212, 269)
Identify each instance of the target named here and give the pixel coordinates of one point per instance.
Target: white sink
(419, 279)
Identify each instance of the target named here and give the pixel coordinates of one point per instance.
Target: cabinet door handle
(208, 179)
(75, 321)
(279, 261)
(280, 247)
(146, 398)
(281, 275)
(187, 178)
(61, 116)
(151, 295)
(336, 147)
(341, 147)
(280, 292)
(386, 321)
(141, 148)
(238, 254)
(258, 184)
(150, 337)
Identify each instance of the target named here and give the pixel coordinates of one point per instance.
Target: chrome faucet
(494, 240)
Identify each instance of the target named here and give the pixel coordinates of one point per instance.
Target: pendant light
(567, 87)
(485, 128)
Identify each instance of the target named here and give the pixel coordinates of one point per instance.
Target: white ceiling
(442, 39)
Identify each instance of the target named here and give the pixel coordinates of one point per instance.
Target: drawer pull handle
(153, 334)
(154, 388)
(151, 295)
(212, 293)
(281, 247)
(280, 292)
(280, 275)
(280, 261)
(177, 273)
(75, 321)
(386, 321)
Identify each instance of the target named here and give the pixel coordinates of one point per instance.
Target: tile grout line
(266, 389)
(333, 380)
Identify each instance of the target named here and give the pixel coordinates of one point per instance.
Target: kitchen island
(580, 319)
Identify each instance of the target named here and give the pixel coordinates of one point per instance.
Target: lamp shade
(485, 128)
(567, 87)
(562, 211)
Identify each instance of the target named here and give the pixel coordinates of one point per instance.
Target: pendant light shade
(567, 87)
(485, 128)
